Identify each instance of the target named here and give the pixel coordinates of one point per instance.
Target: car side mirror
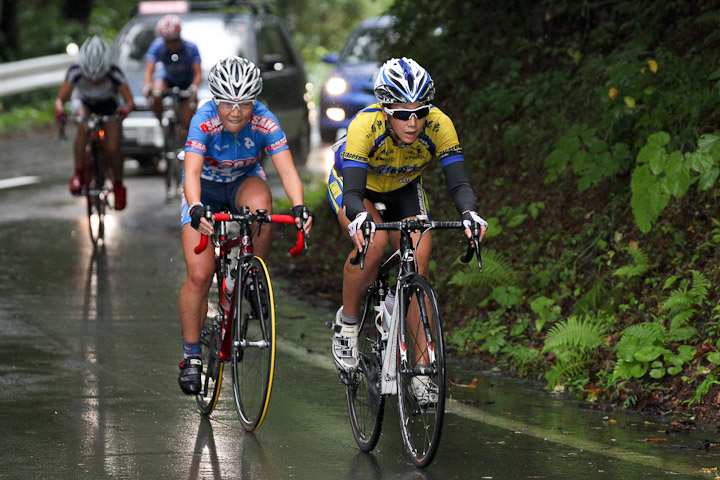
(272, 62)
(331, 57)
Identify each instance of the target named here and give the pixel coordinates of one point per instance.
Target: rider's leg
(254, 192)
(114, 161)
(194, 291)
(192, 305)
(158, 86)
(113, 155)
(79, 151)
(357, 280)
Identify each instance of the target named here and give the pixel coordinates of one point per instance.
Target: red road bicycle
(95, 186)
(239, 326)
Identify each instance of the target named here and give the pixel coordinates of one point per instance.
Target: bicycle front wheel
(366, 404)
(421, 371)
(96, 196)
(210, 343)
(253, 352)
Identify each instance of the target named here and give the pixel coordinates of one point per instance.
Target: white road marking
(18, 181)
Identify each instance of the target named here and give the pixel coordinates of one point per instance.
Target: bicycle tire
(210, 344)
(253, 351)
(365, 402)
(96, 201)
(421, 422)
(173, 173)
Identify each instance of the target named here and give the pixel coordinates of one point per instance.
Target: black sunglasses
(405, 114)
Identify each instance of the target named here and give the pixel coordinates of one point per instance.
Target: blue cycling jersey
(176, 66)
(227, 156)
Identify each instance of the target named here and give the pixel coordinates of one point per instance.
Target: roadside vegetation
(590, 133)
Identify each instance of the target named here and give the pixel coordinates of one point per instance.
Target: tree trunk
(78, 10)
(8, 30)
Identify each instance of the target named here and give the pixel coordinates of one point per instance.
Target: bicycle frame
(225, 246)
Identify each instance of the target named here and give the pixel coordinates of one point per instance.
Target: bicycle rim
(366, 405)
(253, 355)
(211, 379)
(421, 419)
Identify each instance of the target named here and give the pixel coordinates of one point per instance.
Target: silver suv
(248, 31)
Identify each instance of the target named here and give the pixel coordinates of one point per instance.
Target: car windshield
(215, 38)
(363, 46)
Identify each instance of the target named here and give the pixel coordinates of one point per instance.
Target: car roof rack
(160, 7)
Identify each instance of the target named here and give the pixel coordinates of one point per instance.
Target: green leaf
(657, 373)
(649, 353)
(648, 199)
(677, 179)
(638, 370)
(714, 357)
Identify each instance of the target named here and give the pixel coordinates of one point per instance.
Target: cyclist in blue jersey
(95, 85)
(226, 139)
(179, 67)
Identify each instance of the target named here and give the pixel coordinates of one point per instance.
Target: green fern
(497, 271)
(639, 266)
(592, 300)
(700, 286)
(579, 334)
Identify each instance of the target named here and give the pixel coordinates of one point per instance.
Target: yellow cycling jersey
(390, 167)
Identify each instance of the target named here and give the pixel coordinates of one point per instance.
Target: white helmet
(235, 79)
(94, 58)
(168, 27)
(403, 81)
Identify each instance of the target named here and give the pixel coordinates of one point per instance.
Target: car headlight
(335, 86)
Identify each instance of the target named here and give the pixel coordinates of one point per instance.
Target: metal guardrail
(34, 73)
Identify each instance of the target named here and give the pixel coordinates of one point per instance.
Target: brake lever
(473, 249)
(360, 257)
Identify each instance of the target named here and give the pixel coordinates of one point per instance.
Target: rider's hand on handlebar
(303, 218)
(198, 220)
(356, 227)
(123, 113)
(474, 223)
(146, 89)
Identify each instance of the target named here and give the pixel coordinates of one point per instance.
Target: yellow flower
(630, 101)
(653, 66)
(613, 93)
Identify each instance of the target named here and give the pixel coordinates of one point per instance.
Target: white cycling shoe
(424, 390)
(344, 344)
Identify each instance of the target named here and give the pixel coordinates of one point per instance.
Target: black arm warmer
(459, 186)
(354, 181)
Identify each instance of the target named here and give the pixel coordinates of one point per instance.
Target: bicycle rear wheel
(211, 379)
(96, 196)
(253, 355)
(421, 372)
(366, 404)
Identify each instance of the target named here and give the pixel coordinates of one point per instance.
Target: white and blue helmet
(402, 80)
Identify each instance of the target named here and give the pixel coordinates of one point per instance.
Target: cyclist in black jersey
(96, 85)
(387, 147)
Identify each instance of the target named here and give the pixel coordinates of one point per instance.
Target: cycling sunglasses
(405, 114)
(230, 105)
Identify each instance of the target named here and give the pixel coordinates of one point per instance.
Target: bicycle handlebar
(91, 121)
(260, 218)
(414, 225)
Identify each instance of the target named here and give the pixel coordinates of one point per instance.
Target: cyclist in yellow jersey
(387, 147)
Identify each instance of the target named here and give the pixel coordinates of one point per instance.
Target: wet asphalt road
(89, 347)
